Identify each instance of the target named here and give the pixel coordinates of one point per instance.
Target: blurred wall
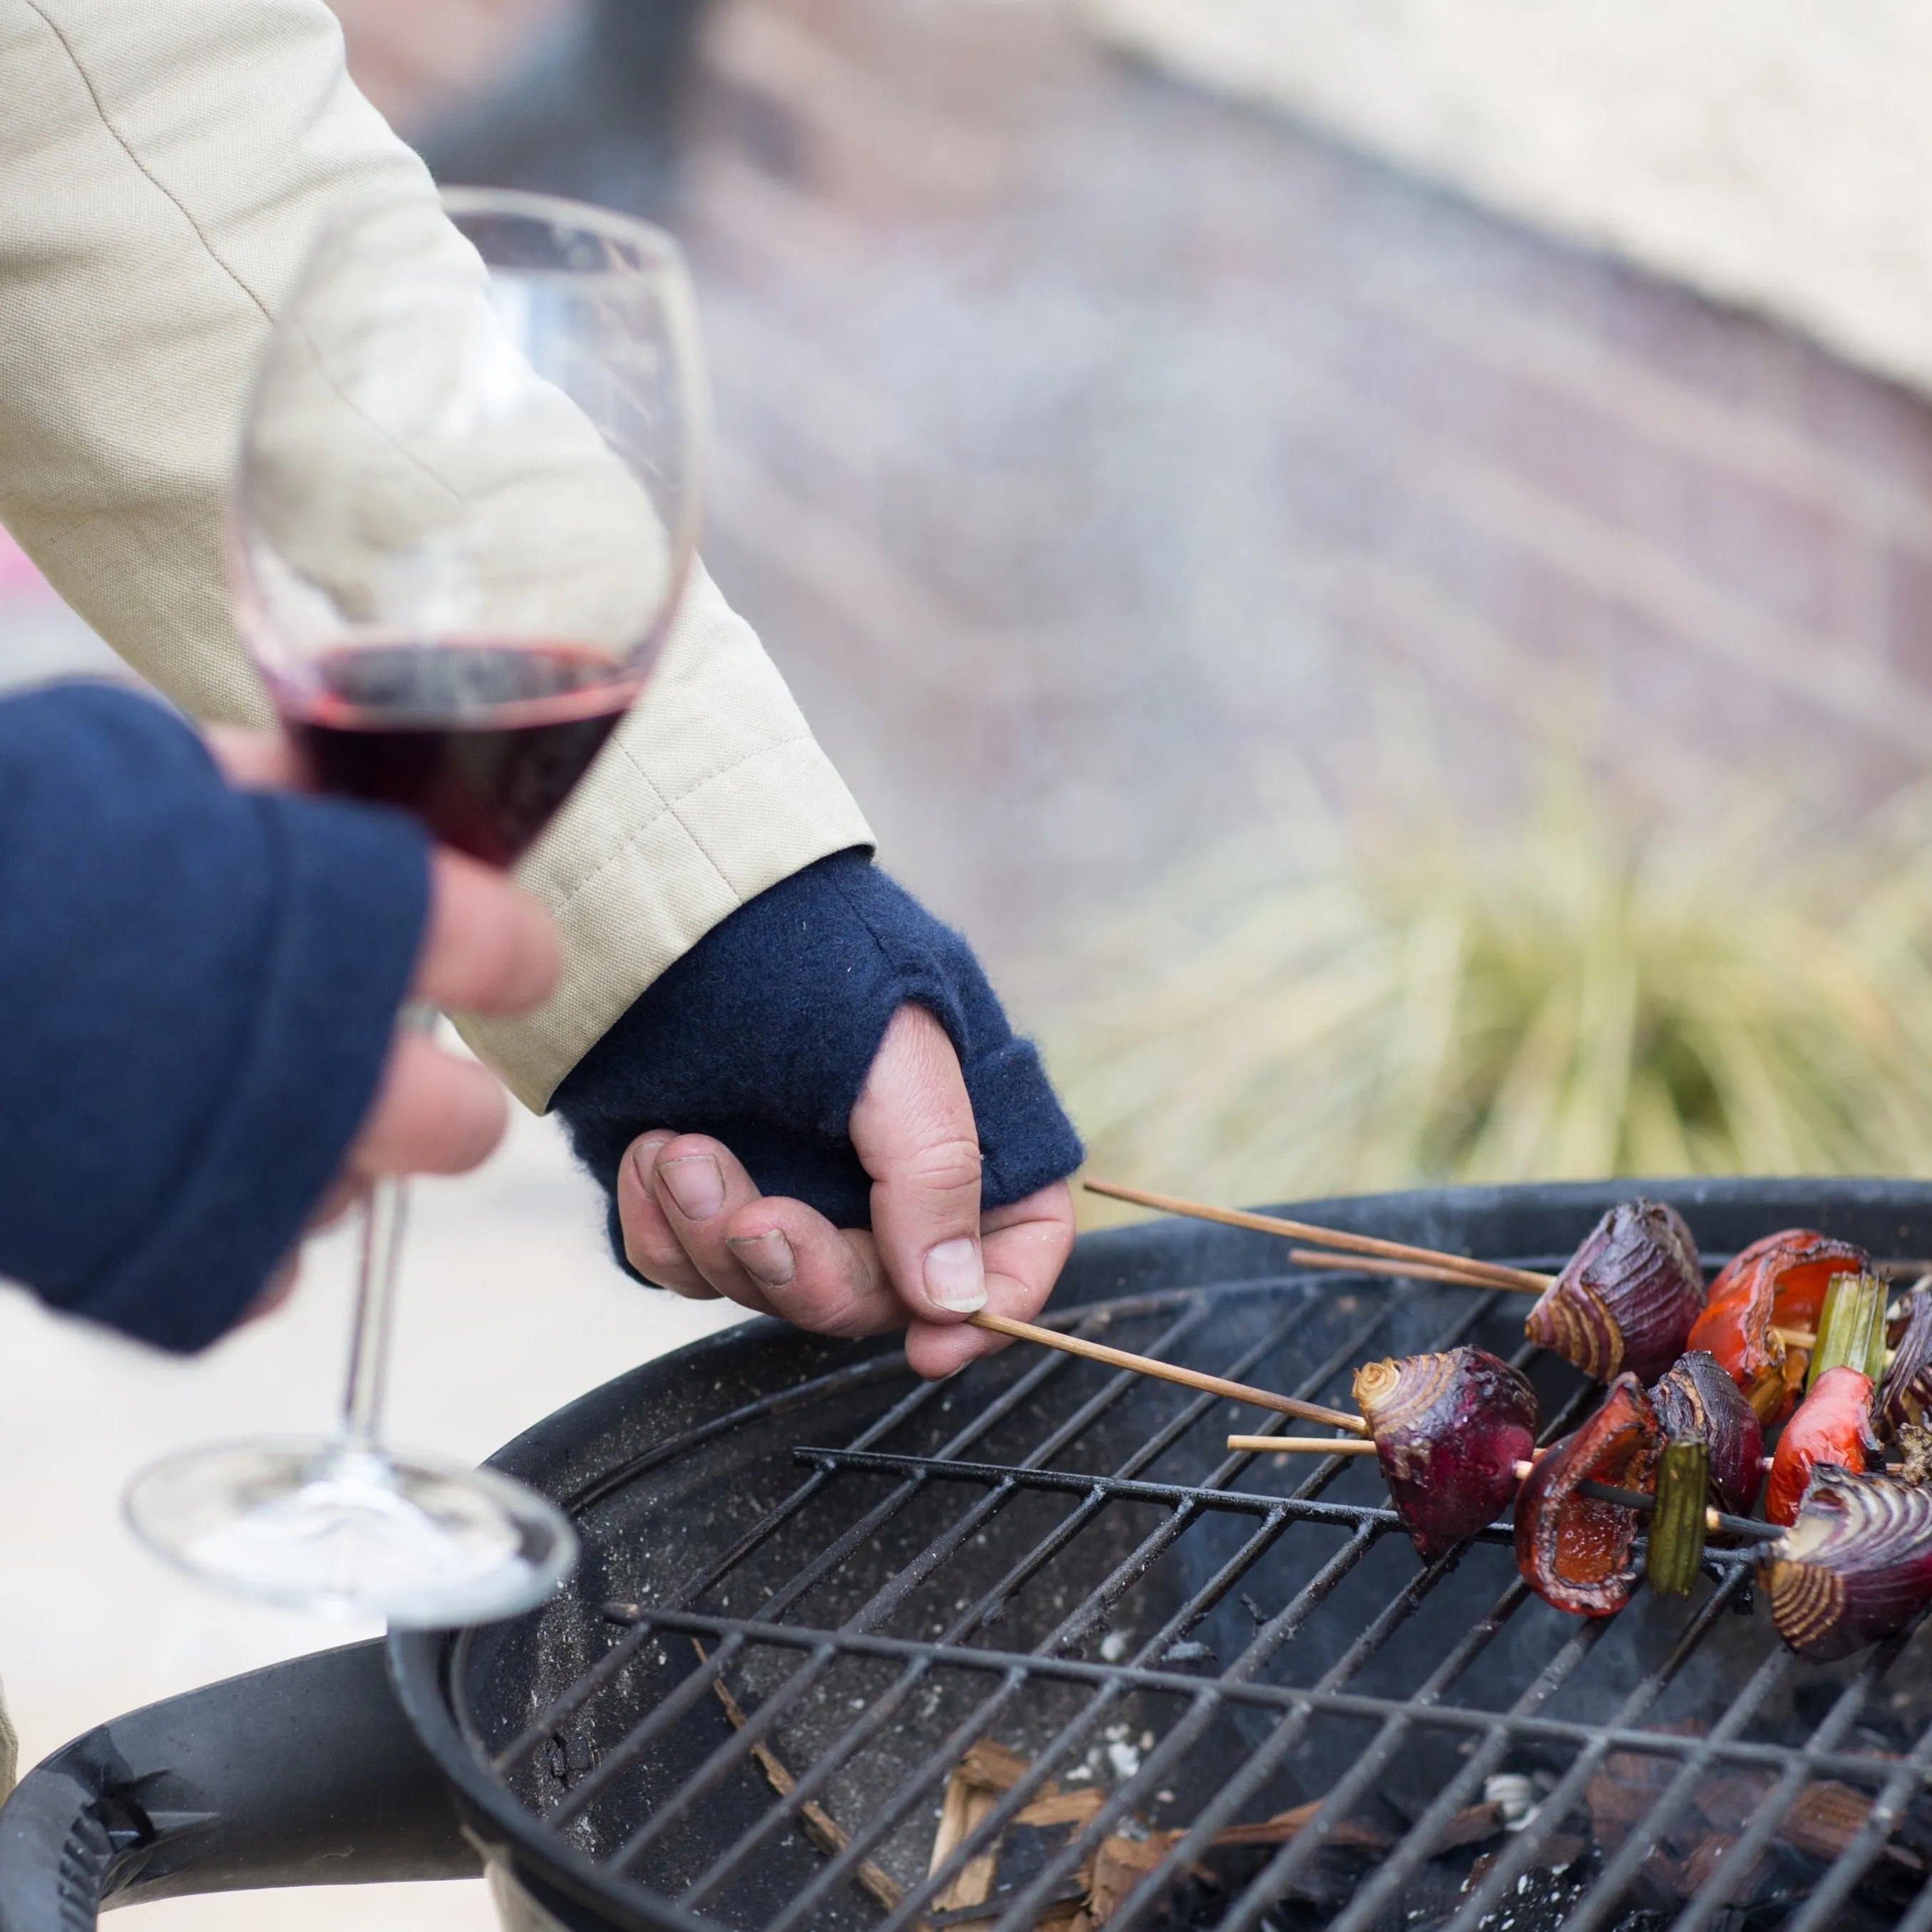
(1773, 153)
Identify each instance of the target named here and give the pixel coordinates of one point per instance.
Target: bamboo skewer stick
(1797, 1338)
(1326, 1258)
(1463, 1267)
(1169, 1372)
(1714, 1520)
(1351, 1444)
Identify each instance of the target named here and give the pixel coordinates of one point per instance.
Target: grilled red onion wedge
(1697, 1398)
(1905, 1395)
(1627, 1298)
(1854, 1568)
(1832, 1428)
(1574, 1551)
(1450, 1430)
(1777, 1282)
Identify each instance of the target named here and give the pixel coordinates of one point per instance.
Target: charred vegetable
(1855, 1566)
(1450, 1430)
(1573, 1550)
(1676, 1545)
(1851, 1330)
(1905, 1395)
(1627, 1298)
(1778, 1282)
(1915, 1441)
(1832, 1429)
(1697, 1398)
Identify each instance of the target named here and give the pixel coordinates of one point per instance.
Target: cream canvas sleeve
(164, 165)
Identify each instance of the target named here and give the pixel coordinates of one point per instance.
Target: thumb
(914, 1133)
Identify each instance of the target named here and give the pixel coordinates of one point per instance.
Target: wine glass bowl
(465, 509)
(467, 499)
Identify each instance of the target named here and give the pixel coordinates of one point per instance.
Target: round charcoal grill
(828, 1614)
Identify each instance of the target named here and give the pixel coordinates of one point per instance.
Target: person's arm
(164, 165)
(198, 985)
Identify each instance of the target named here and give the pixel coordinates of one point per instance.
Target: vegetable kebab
(1845, 1555)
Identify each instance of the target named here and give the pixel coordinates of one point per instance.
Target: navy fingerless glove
(762, 1036)
(197, 990)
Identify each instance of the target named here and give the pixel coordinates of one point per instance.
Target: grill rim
(591, 1447)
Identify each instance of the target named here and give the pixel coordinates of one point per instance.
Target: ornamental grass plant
(1413, 1000)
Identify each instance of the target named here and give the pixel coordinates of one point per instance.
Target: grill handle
(306, 1773)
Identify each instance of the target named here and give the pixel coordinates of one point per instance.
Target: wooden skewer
(1168, 1372)
(1462, 1267)
(1714, 1520)
(1797, 1338)
(1304, 1445)
(1325, 1258)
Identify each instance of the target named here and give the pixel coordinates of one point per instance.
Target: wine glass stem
(384, 1210)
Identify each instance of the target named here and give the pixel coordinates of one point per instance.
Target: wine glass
(465, 507)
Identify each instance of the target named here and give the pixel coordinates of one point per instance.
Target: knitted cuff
(198, 987)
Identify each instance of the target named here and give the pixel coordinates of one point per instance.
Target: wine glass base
(319, 1525)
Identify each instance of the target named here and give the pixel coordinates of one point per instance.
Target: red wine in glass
(482, 741)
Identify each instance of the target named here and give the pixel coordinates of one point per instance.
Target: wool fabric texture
(198, 987)
(762, 1036)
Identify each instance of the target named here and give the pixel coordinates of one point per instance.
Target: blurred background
(1378, 560)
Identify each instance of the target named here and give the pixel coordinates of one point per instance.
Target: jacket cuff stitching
(669, 807)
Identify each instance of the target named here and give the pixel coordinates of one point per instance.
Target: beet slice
(1450, 1429)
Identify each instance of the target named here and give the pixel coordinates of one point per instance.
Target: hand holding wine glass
(487, 947)
(466, 507)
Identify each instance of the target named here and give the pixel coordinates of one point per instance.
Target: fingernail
(696, 1184)
(766, 1257)
(644, 1154)
(955, 1278)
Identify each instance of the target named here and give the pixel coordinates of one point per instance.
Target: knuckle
(659, 1269)
(841, 1312)
(654, 1252)
(948, 1166)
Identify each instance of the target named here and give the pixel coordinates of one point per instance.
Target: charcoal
(1540, 1901)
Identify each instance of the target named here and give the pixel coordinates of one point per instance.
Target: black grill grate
(1043, 1552)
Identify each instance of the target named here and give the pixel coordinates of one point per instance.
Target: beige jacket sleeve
(163, 164)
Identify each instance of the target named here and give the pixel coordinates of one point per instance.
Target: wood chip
(1286, 1824)
(978, 1782)
(1119, 1866)
(1078, 1807)
(1470, 1826)
(823, 1830)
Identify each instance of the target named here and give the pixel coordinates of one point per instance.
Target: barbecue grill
(811, 1584)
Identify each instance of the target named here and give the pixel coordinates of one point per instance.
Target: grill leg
(303, 1774)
